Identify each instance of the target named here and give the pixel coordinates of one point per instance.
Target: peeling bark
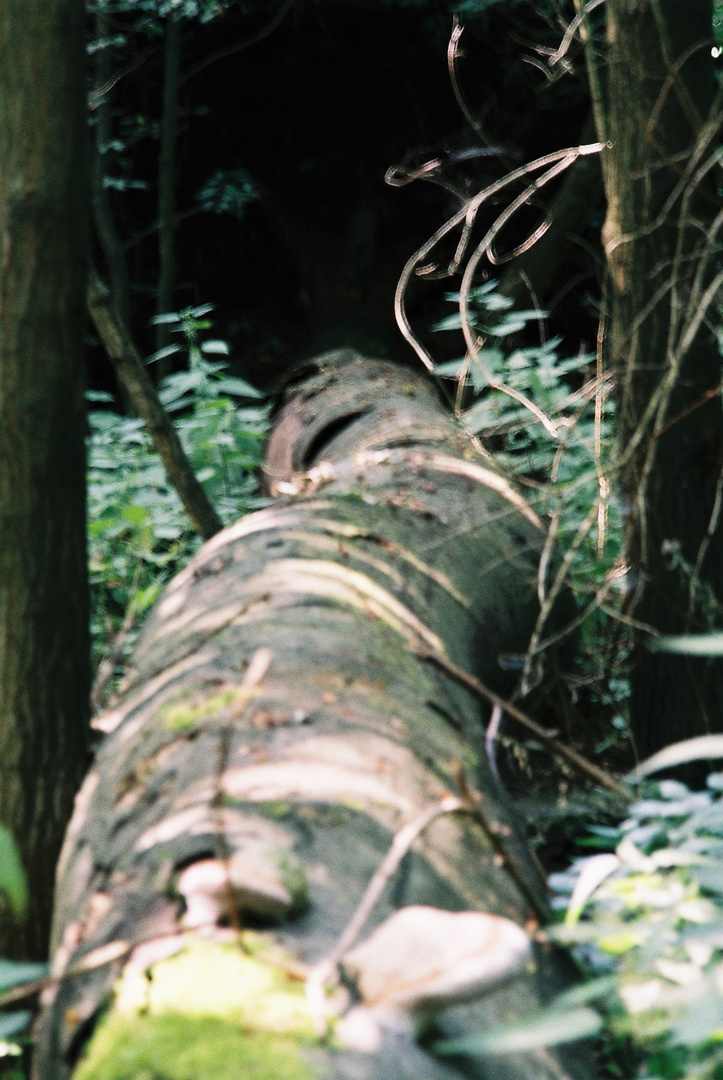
(277, 716)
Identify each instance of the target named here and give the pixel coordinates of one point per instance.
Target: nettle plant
(645, 919)
(139, 533)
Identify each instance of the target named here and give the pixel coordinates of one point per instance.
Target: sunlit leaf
(14, 1023)
(621, 942)
(237, 387)
(197, 312)
(689, 644)
(593, 990)
(594, 871)
(167, 350)
(552, 1027)
(701, 748)
(215, 347)
(17, 972)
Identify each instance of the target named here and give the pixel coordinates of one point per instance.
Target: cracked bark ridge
(386, 535)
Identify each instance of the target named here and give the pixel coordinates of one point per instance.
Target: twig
(485, 248)
(569, 34)
(499, 838)
(491, 733)
(465, 214)
(484, 694)
(95, 97)
(557, 585)
(275, 20)
(109, 661)
(453, 54)
(96, 958)
(401, 844)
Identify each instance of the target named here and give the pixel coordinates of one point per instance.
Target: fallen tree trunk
(278, 729)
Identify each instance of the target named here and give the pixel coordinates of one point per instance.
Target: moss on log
(277, 730)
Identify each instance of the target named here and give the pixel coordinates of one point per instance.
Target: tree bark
(656, 103)
(102, 160)
(279, 713)
(167, 186)
(44, 646)
(103, 157)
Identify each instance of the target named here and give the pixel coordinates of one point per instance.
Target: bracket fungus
(264, 881)
(422, 960)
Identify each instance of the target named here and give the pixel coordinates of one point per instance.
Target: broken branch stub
(276, 732)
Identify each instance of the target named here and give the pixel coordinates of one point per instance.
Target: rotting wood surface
(386, 535)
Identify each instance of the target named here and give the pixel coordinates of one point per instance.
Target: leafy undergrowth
(139, 534)
(546, 418)
(645, 919)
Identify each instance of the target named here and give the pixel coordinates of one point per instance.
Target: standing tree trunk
(282, 722)
(44, 648)
(167, 186)
(656, 102)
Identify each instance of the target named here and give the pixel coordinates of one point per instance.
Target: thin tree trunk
(132, 375)
(656, 102)
(103, 218)
(44, 645)
(102, 212)
(167, 185)
(281, 724)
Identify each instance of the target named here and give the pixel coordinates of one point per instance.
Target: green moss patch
(178, 1047)
(183, 716)
(212, 1012)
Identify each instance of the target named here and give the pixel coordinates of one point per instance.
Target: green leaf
(167, 350)
(14, 1023)
(12, 876)
(594, 871)
(689, 644)
(220, 347)
(551, 1027)
(586, 992)
(136, 515)
(197, 312)
(702, 748)
(17, 972)
(167, 317)
(237, 387)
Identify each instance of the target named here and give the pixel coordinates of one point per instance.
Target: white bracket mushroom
(263, 880)
(421, 960)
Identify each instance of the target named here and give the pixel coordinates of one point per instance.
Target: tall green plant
(139, 531)
(645, 918)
